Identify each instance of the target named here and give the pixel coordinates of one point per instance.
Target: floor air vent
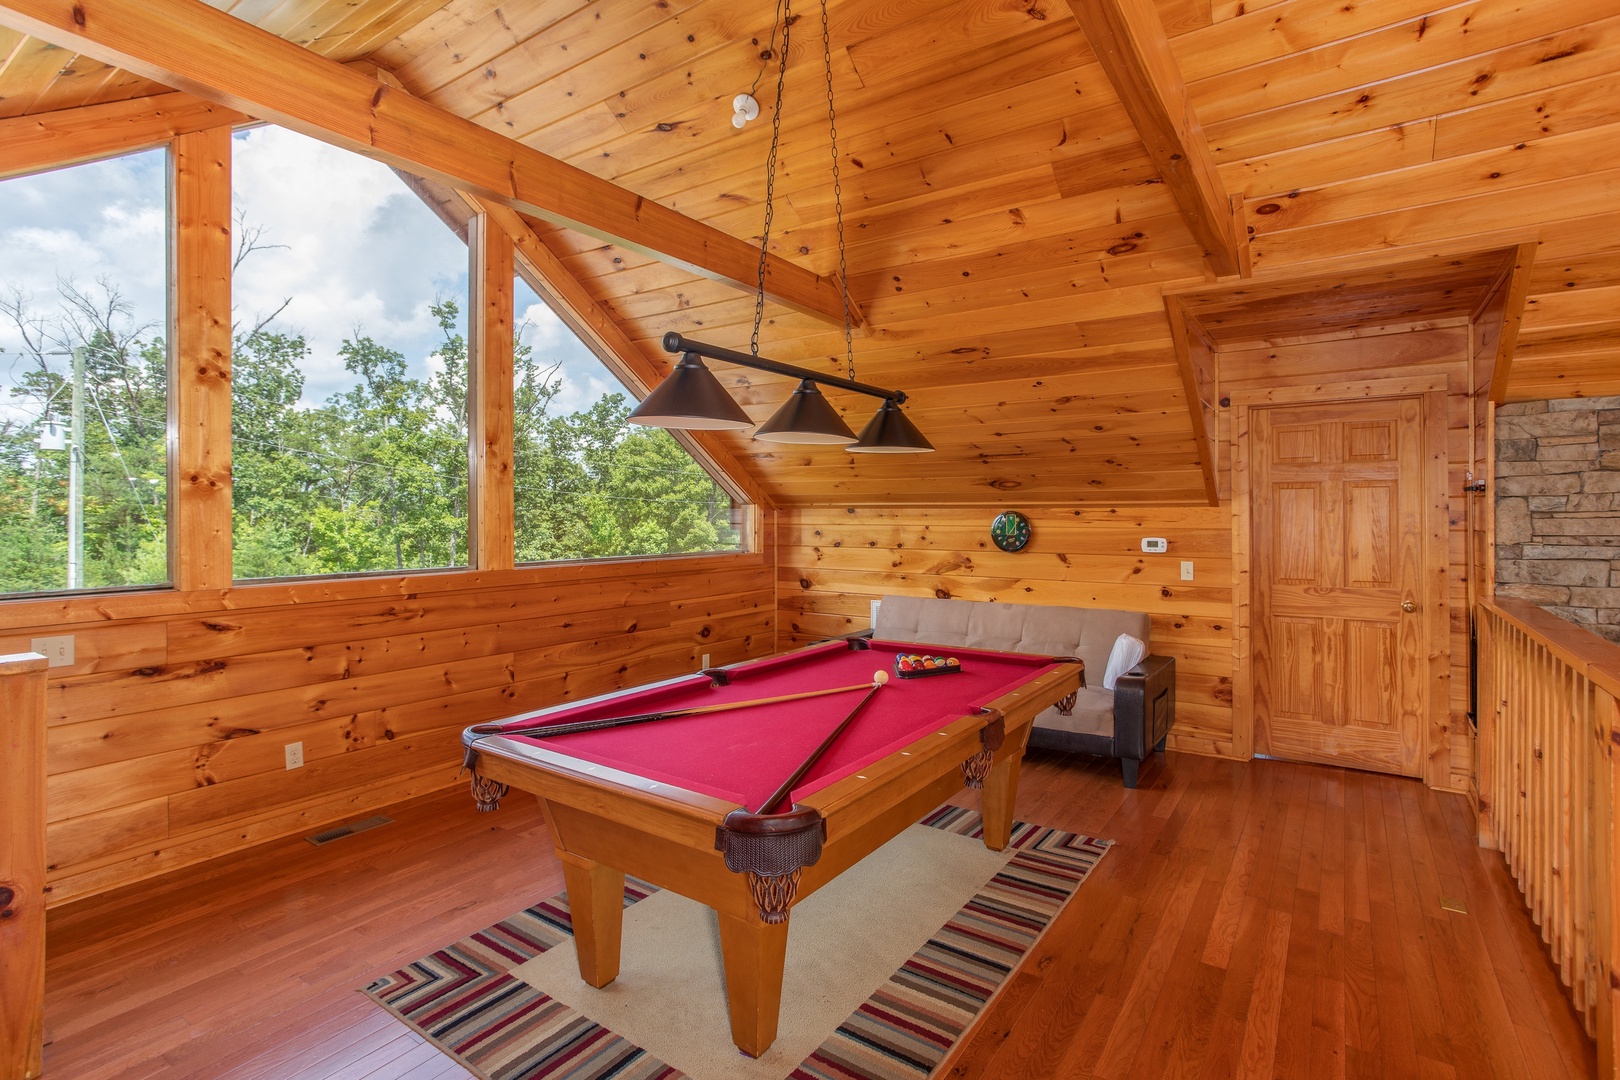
(348, 830)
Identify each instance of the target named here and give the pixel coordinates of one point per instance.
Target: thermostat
(1155, 545)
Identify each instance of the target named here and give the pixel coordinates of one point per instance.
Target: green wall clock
(1010, 530)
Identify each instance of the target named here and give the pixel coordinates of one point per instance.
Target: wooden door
(1341, 659)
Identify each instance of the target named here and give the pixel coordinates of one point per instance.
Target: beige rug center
(843, 942)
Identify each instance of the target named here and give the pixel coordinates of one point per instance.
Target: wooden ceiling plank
(364, 41)
(1266, 33)
(1058, 283)
(1321, 164)
(81, 81)
(28, 70)
(1164, 236)
(1544, 160)
(1594, 270)
(1140, 300)
(462, 35)
(1132, 48)
(497, 40)
(1476, 219)
(50, 140)
(1037, 84)
(1530, 67)
(1557, 110)
(1572, 307)
(668, 95)
(1184, 16)
(683, 44)
(565, 47)
(193, 46)
(933, 165)
(125, 85)
(334, 33)
(913, 48)
(1439, 36)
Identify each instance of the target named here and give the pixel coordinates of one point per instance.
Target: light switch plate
(57, 651)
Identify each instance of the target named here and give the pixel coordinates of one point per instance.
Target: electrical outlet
(1186, 570)
(295, 755)
(57, 651)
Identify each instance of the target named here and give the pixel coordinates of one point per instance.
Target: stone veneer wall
(1558, 508)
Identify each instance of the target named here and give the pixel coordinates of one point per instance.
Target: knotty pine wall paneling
(165, 738)
(834, 561)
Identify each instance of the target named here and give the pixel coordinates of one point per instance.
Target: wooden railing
(22, 864)
(1547, 712)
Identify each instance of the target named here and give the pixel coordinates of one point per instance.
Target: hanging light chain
(770, 52)
(838, 192)
(785, 9)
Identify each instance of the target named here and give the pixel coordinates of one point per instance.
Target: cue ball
(879, 678)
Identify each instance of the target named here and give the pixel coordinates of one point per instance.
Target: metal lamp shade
(890, 432)
(806, 417)
(691, 399)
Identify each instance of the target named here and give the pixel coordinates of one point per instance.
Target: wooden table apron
(605, 822)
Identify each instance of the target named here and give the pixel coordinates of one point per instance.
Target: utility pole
(75, 559)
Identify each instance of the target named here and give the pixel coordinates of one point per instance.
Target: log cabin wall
(835, 560)
(166, 736)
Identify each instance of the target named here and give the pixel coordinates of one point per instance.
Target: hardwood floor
(1259, 919)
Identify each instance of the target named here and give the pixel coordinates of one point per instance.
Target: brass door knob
(1408, 607)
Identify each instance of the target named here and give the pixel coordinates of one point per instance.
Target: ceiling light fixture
(692, 398)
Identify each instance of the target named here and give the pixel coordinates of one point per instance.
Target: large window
(84, 376)
(348, 387)
(349, 422)
(588, 483)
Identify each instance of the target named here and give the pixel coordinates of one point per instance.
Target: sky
(341, 237)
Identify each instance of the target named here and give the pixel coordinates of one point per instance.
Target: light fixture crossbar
(676, 343)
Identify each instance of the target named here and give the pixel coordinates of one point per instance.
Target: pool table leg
(754, 953)
(596, 905)
(1000, 792)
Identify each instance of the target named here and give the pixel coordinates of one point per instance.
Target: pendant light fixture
(690, 397)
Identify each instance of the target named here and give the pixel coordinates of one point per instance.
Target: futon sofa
(1128, 722)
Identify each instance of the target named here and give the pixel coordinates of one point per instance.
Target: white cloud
(585, 379)
(353, 248)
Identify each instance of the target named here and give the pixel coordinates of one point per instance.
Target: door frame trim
(1431, 390)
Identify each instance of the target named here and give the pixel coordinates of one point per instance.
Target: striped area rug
(465, 1000)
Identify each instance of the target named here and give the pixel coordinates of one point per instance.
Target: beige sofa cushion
(1088, 633)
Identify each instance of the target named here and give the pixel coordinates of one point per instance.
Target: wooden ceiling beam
(194, 47)
(70, 136)
(1134, 50)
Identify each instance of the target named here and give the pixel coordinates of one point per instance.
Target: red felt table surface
(742, 755)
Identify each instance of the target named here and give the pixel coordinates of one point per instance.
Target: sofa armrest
(1144, 707)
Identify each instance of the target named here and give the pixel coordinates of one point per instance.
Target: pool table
(677, 801)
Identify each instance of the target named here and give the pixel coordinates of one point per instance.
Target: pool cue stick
(878, 679)
(543, 731)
